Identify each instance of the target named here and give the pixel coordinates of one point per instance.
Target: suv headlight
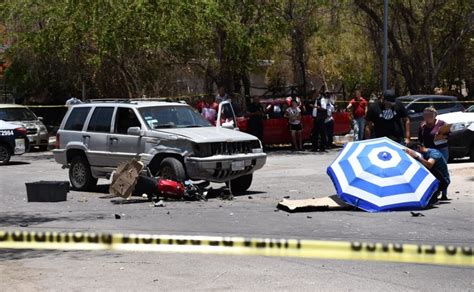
(456, 127)
(43, 129)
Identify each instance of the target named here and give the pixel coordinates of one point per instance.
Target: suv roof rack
(163, 99)
(123, 100)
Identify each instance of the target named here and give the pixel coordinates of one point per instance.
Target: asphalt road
(299, 175)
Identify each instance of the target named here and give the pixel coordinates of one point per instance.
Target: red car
(275, 126)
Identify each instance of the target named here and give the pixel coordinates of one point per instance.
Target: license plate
(19, 146)
(238, 165)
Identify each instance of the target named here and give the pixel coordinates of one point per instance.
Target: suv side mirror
(40, 118)
(134, 131)
(411, 111)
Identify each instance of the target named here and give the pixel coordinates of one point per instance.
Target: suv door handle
(113, 139)
(86, 136)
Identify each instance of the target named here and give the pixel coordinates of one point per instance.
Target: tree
(423, 36)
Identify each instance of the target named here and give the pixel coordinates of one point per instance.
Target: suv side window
(76, 119)
(124, 119)
(101, 119)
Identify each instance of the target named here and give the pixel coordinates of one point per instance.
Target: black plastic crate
(47, 191)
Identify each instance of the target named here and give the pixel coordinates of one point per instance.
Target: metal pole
(385, 43)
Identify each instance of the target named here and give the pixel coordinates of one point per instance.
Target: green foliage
(141, 47)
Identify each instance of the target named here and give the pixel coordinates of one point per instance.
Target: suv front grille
(225, 148)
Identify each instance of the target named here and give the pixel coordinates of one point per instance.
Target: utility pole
(385, 44)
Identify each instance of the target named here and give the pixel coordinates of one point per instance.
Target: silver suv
(172, 139)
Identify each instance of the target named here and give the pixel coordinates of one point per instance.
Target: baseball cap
(389, 95)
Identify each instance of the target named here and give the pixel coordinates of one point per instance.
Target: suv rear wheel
(241, 184)
(5, 154)
(80, 174)
(172, 168)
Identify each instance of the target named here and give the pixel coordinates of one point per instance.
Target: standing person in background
(358, 109)
(221, 95)
(293, 113)
(388, 118)
(429, 133)
(329, 121)
(319, 114)
(255, 114)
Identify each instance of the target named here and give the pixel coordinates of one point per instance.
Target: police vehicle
(13, 141)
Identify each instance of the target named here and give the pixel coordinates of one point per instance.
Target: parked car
(171, 139)
(415, 104)
(13, 141)
(275, 125)
(461, 139)
(24, 117)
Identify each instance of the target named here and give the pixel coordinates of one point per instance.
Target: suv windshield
(16, 114)
(172, 117)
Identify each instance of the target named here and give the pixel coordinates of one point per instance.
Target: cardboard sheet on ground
(315, 204)
(125, 178)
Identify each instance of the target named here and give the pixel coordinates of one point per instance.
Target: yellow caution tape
(338, 250)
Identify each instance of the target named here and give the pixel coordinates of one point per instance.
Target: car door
(97, 135)
(125, 145)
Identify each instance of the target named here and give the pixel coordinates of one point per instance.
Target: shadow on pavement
(14, 163)
(28, 219)
(19, 254)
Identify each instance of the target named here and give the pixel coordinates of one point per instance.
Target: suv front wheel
(241, 184)
(172, 168)
(80, 174)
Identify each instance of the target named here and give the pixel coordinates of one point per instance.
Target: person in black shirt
(388, 118)
(319, 114)
(255, 114)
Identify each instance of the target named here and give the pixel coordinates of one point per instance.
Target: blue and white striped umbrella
(377, 175)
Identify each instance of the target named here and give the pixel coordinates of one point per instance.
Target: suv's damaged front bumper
(222, 168)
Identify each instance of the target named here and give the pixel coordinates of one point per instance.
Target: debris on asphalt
(286, 197)
(417, 214)
(160, 203)
(47, 191)
(23, 224)
(309, 217)
(319, 204)
(125, 178)
(117, 216)
(250, 197)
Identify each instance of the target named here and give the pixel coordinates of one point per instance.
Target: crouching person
(434, 160)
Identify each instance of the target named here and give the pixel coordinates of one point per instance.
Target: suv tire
(172, 168)
(241, 184)
(80, 174)
(5, 154)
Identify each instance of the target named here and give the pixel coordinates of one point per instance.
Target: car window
(101, 120)
(124, 119)
(441, 104)
(16, 114)
(419, 105)
(172, 117)
(76, 119)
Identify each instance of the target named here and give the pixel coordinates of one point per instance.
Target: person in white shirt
(293, 114)
(319, 116)
(329, 121)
